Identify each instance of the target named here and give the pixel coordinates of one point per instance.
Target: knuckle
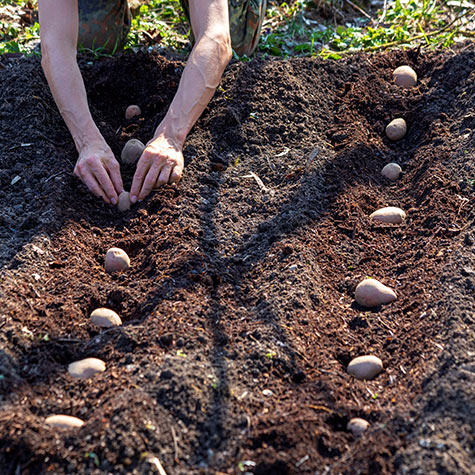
(89, 160)
(148, 155)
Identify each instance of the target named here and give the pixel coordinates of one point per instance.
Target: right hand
(98, 169)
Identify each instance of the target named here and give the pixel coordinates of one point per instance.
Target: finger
(90, 181)
(114, 173)
(176, 174)
(150, 180)
(105, 183)
(139, 176)
(164, 175)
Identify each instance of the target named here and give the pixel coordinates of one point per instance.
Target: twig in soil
(35, 291)
(20, 145)
(284, 153)
(157, 463)
(259, 183)
(312, 157)
(302, 461)
(386, 326)
(319, 408)
(67, 340)
(54, 176)
(175, 444)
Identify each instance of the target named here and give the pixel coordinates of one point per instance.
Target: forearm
(67, 86)
(198, 83)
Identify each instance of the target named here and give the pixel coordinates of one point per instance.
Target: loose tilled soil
(237, 287)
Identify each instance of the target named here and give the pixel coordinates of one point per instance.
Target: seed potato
(124, 201)
(371, 293)
(86, 368)
(405, 76)
(106, 318)
(391, 171)
(396, 129)
(389, 214)
(357, 426)
(132, 111)
(62, 421)
(132, 151)
(117, 260)
(365, 367)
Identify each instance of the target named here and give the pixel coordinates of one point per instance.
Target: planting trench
(237, 288)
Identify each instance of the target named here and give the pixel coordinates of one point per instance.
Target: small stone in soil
(116, 260)
(391, 171)
(86, 368)
(371, 293)
(365, 367)
(389, 214)
(62, 421)
(357, 426)
(106, 318)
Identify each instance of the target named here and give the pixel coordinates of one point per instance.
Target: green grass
(160, 22)
(293, 28)
(430, 23)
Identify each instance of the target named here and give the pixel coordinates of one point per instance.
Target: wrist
(91, 139)
(174, 139)
(171, 130)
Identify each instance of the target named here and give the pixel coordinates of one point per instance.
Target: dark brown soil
(237, 288)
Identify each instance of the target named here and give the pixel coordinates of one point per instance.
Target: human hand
(160, 163)
(98, 169)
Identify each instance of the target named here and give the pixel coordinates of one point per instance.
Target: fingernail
(133, 199)
(113, 201)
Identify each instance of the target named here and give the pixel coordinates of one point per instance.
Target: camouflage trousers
(105, 24)
(245, 22)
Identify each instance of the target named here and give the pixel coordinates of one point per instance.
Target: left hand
(161, 162)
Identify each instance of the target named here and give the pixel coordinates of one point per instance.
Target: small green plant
(407, 23)
(13, 39)
(159, 21)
